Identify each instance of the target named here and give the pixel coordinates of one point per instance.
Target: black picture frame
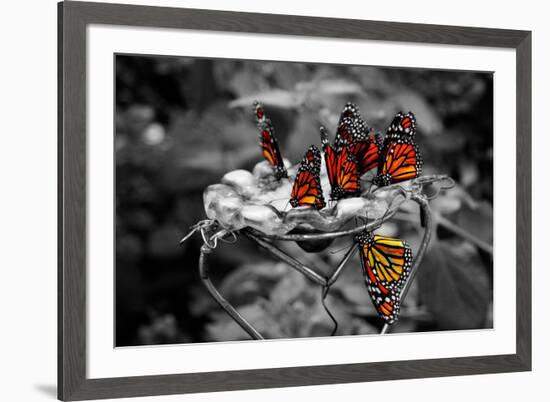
(73, 18)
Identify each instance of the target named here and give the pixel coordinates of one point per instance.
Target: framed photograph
(255, 201)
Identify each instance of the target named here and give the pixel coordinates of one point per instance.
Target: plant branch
(424, 205)
(351, 251)
(375, 224)
(273, 250)
(234, 314)
(325, 283)
(452, 227)
(324, 293)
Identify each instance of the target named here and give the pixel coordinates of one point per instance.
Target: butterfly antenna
(324, 292)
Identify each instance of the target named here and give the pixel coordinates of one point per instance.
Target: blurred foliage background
(181, 123)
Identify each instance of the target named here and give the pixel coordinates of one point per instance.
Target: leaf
(469, 172)
(454, 285)
(429, 122)
(138, 117)
(355, 293)
(477, 220)
(351, 289)
(225, 329)
(289, 288)
(277, 97)
(447, 203)
(305, 133)
(448, 142)
(251, 281)
(303, 91)
(331, 87)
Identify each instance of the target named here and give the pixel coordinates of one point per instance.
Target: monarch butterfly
(307, 186)
(400, 158)
(354, 134)
(268, 142)
(386, 264)
(342, 170)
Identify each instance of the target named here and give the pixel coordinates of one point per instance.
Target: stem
(424, 205)
(324, 293)
(351, 251)
(307, 259)
(447, 224)
(261, 239)
(423, 245)
(323, 236)
(234, 314)
(330, 280)
(308, 272)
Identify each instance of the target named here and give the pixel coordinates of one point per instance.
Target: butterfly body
(386, 266)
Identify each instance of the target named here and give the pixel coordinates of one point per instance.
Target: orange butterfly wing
(402, 161)
(307, 186)
(400, 158)
(268, 142)
(342, 172)
(366, 148)
(386, 265)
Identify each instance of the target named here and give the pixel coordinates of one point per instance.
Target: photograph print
(279, 200)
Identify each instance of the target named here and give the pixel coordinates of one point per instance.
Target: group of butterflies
(356, 150)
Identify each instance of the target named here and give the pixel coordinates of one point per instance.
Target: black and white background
(182, 123)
